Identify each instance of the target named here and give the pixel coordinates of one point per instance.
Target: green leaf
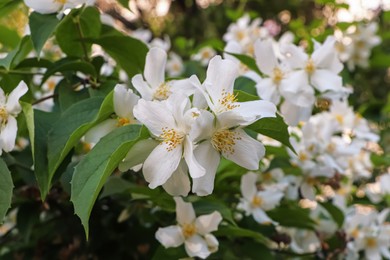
(297, 216)
(42, 26)
(6, 187)
(335, 212)
(72, 125)
(93, 170)
(70, 64)
(170, 253)
(247, 60)
(9, 38)
(18, 54)
(75, 28)
(128, 52)
(203, 207)
(273, 127)
(235, 232)
(243, 96)
(29, 115)
(246, 85)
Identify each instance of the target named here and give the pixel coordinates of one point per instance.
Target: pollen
(339, 118)
(277, 75)
(303, 156)
(188, 230)
(171, 138)
(257, 201)
(225, 140)
(227, 101)
(310, 66)
(371, 242)
(3, 115)
(122, 121)
(60, 1)
(162, 92)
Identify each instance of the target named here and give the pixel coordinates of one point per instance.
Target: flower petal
(325, 80)
(265, 56)
(261, 217)
(208, 223)
(209, 158)
(100, 130)
(154, 71)
(203, 126)
(124, 101)
(171, 236)
(142, 87)
(196, 170)
(8, 135)
(43, 6)
(185, 213)
(247, 151)
(160, 164)
(248, 185)
(178, 184)
(13, 105)
(296, 58)
(197, 246)
(267, 90)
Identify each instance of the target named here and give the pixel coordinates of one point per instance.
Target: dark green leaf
(42, 27)
(235, 232)
(203, 207)
(247, 60)
(297, 216)
(93, 170)
(335, 212)
(6, 187)
(18, 54)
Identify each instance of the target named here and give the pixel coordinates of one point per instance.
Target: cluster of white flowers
(56, 6)
(355, 44)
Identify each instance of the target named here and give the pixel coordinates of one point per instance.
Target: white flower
(124, 101)
(155, 87)
(378, 190)
(194, 232)
(54, 6)
(169, 122)
(204, 55)
(256, 202)
(302, 240)
(9, 109)
(175, 65)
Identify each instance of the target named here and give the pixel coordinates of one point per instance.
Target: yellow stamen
(339, 119)
(162, 92)
(188, 230)
(171, 138)
(227, 101)
(257, 201)
(225, 140)
(303, 156)
(355, 233)
(3, 115)
(310, 66)
(122, 121)
(371, 242)
(60, 1)
(277, 75)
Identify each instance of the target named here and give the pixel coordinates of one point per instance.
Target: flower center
(3, 115)
(340, 119)
(371, 242)
(162, 92)
(310, 67)
(122, 121)
(60, 1)
(355, 233)
(188, 230)
(227, 102)
(302, 156)
(240, 35)
(225, 140)
(277, 75)
(257, 201)
(171, 137)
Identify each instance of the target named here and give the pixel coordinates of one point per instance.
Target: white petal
(296, 58)
(208, 223)
(254, 110)
(179, 183)
(247, 151)
(138, 154)
(261, 217)
(160, 164)
(97, 132)
(155, 67)
(196, 170)
(372, 253)
(265, 56)
(294, 114)
(43, 6)
(184, 86)
(212, 242)
(185, 213)
(221, 75)
(307, 191)
(209, 158)
(8, 134)
(154, 115)
(171, 236)
(267, 90)
(13, 105)
(197, 246)
(203, 126)
(124, 101)
(324, 80)
(325, 57)
(248, 185)
(142, 87)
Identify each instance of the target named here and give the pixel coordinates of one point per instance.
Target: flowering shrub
(256, 143)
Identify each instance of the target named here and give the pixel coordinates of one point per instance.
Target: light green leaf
(18, 54)
(72, 125)
(42, 26)
(9, 38)
(6, 187)
(93, 170)
(29, 115)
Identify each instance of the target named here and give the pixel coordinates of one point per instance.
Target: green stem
(81, 35)
(20, 72)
